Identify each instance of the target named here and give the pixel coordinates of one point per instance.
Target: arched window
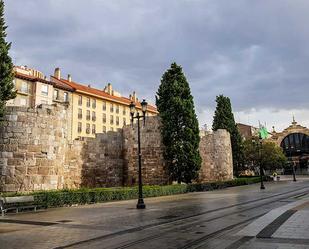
(295, 144)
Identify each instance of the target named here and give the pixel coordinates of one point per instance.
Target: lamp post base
(140, 204)
(262, 186)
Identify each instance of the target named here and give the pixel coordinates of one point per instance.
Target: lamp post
(140, 202)
(261, 166)
(258, 145)
(292, 163)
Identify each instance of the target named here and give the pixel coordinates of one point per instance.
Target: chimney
(109, 89)
(69, 78)
(57, 73)
(134, 96)
(89, 86)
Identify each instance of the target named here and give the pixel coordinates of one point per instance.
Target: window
(111, 119)
(124, 121)
(65, 97)
(80, 113)
(93, 129)
(88, 128)
(117, 108)
(104, 106)
(44, 89)
(104, 118)
(80, 100)
(112, 107)
(56, 94)
(79, 127)
(88, 115)
(94, 103)
(88, 102)
(93, 116)
(104, 128)
(112, 129)
(24, 87)
(124, 111)
(117, 120)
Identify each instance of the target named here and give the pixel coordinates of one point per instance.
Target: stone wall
(153, 165)
(215, 150)
(37, 154)
(217, 160)
(102, 160)
(32, 145)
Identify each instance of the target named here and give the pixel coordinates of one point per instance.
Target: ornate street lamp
(140, 202)
(258, 146)
(292, 163)
(261, 166)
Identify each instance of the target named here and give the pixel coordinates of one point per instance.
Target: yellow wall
(99, 115)
(24, 96)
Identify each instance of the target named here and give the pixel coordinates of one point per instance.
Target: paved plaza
(238, 217)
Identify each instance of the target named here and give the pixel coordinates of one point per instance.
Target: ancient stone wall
(37, 154)
(215, 150)
(153, 165)
(217, 160)
(33, 144)
(102, 158)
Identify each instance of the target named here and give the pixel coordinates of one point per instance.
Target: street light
(140, 202)
(258, 145)
(292, 163)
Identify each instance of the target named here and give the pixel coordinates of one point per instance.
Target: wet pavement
(238, 217)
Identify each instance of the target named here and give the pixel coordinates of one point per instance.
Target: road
(238, 217)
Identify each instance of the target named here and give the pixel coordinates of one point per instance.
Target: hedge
(59, 198)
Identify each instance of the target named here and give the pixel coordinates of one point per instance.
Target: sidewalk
(283, 227)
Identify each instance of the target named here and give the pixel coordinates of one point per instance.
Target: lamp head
(132, 108)
(144, 106)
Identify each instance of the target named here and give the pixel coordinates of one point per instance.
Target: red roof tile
(101, 94)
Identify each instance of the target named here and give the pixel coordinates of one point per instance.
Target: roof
(30, 77)
(100, 94)
(33, 78)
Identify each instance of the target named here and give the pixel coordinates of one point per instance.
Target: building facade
(34, 89)
(91, 110)
(97, 111)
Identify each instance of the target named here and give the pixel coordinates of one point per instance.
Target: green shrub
(60, 198)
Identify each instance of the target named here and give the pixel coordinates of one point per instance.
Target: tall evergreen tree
(180, 130)
(6, 66)
(224, 119)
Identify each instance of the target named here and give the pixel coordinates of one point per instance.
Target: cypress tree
(7, 91)
(180, 130)
(224, 119)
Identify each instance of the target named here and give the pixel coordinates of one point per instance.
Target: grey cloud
(256, 52)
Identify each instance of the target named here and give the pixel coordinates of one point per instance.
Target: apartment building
(34, 89)
(97, 111)
(92, 110)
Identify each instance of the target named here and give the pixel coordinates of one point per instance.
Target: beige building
(34, 89)
(97, 111)
(91, 110)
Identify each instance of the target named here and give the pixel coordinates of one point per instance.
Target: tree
(180, 130)
(224, 119)
(6, 66)
(268, 154)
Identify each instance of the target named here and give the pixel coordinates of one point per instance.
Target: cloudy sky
(254, 51)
